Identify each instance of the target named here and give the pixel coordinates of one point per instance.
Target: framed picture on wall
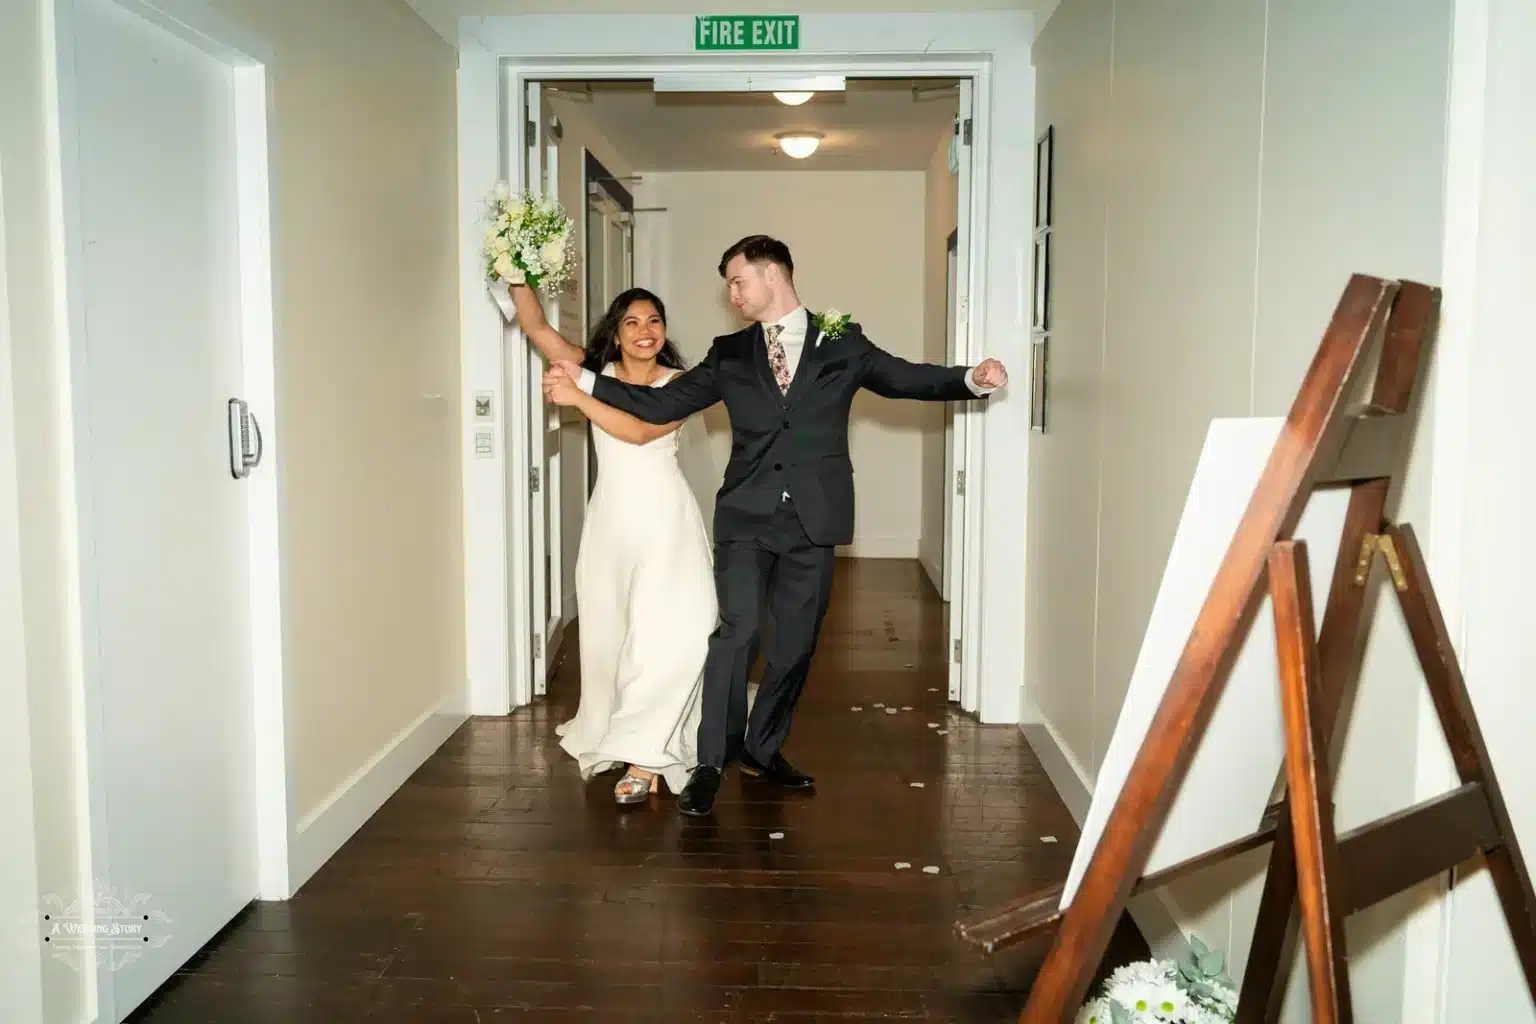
(1043, 150)
(1039, 352)
(1040, 312)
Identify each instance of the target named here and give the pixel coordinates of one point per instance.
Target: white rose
(553, 252)
(505, 268)
(503, 192)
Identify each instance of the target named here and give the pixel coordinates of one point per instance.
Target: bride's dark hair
(603, 346)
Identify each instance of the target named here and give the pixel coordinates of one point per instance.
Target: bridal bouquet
(1196, 991)
(528, 241)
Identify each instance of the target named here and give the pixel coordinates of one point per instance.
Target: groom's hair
(760, 249)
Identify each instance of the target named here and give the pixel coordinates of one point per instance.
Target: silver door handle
(242, 426)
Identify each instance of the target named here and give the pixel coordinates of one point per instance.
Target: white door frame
(497, 54)
(248, 56)
(21, 975)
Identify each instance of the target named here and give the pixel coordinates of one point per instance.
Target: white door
(962, 686)
(542, 175)
(156, 348)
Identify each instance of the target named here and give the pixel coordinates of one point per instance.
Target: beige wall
(1487, 363)
(364, 151)
(365, 173)
(857, 240)
(941, 192)
(1221, 168)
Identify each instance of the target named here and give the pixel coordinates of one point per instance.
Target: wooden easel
(1325, 443)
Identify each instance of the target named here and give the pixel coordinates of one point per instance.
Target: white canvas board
(1234, 770)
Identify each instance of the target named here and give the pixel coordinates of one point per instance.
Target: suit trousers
(780, 571)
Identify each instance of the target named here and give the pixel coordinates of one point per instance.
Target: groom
(787, 498)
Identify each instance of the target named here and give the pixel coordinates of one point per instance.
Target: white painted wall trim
(879, 547)
(1155, 914)
(248, 55)
(931, 569)
(992, 48)
(327, 828)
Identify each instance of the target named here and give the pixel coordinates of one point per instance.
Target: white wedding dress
(645, 593)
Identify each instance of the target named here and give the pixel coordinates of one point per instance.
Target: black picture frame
(1039, 367)
(1045, 147)
(1040, 291)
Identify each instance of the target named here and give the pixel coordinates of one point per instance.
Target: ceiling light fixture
(793, 99)
(799, 145)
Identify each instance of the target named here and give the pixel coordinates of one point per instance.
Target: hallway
(496, 885)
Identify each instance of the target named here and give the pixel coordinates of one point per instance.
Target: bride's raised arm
(536, 327)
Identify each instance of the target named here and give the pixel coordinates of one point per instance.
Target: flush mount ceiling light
(793, 99)
(799, 145)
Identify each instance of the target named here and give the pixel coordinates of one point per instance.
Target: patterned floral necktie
(776, 357)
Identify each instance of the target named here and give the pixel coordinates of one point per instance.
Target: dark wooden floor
(497, 886)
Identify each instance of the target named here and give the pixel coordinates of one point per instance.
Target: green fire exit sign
(746, 32)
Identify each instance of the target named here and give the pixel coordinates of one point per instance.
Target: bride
(645, 588)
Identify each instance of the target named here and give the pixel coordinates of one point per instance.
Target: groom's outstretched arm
(894, 377)
(689, 392)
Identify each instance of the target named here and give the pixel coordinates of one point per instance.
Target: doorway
(168, 340)
(501, 55)
(888, 172)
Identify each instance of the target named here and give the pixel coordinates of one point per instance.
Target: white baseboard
(935, 575)
(1154, 915)
(879, 547)
(326, 829)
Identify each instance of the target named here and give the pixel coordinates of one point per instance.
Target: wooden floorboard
(497, 886)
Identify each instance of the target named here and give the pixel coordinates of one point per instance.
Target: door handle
(243, 429)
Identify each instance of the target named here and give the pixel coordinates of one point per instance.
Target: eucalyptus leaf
(1211, 964)
(1118, 1013)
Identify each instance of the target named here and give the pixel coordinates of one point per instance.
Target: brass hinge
(967, 131)
(1373, 543)
(957, 652)
(538, 646)
(960, 483)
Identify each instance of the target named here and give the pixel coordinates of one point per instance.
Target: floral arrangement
(1195, 990)
(831, 323)
(528, 241)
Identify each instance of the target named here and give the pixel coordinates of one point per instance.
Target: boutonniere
(831, 323)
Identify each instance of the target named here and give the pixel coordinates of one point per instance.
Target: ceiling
(876, 124)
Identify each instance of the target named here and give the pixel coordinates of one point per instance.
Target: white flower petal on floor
(1047, 839)
(930, 870)
(775, 835)
(917, 785)
(902, 865)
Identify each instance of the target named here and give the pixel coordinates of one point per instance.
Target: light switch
(483, 405)
(485, 446)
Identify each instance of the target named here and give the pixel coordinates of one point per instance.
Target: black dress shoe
(698, 797)
(777, 770)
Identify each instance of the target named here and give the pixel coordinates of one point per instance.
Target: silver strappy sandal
(632, 789)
